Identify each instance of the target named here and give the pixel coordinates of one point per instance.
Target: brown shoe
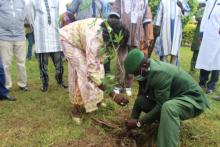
(76, 113)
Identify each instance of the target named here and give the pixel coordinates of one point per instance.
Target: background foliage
(188, 34)
(193, 9)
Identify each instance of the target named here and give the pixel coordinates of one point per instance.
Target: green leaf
(101, 51)
(110, 82)
(118, 38)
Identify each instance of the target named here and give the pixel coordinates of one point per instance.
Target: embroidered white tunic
(169, 17)
(46, 35)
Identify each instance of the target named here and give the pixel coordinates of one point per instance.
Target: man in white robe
(44, 17)
(209, 54)
(169, 20)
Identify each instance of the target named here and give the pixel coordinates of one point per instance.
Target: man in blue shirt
(12, 40)
(83, 9)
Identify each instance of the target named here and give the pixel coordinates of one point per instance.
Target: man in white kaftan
(169, 19)
(45, 18)
(209, 54)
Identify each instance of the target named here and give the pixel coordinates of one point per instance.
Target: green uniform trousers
(172, 112)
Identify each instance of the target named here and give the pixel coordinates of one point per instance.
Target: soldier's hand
(120, 100)
(131, 124)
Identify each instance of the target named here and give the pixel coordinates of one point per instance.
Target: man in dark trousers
(44, 16)
(166, 93)
(3, 90)
(197, 36)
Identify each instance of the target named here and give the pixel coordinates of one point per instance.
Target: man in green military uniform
(166, 93)
(197, 39)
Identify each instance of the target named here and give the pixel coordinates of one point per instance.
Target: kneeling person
(166, 93)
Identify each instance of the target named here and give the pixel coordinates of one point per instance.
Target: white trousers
(8, 49)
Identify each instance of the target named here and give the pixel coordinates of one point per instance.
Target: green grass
(43, 119)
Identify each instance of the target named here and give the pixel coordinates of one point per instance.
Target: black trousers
(204, 77)
(193, 60)
(43, 66)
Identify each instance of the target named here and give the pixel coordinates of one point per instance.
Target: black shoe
(63, 85)
(8, 97)
(25, 88)
(44, 88)
(29, 58)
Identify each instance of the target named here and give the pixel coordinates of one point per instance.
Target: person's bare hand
(120, 100)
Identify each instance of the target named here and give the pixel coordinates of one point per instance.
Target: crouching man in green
(166, 93)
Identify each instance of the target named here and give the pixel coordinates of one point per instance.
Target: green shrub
(188, 34)
(193, 4)
(154, 6)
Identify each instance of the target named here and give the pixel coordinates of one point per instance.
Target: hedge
(188, 34)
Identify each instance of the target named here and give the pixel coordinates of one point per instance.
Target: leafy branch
(110, 53)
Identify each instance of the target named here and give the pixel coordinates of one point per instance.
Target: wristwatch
(138, 124)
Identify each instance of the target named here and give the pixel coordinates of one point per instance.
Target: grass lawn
(43, 119)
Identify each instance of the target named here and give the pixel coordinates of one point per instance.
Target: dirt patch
(92, 139)
(119, 137)
(144, 137)
(106, 133)
(101, 141)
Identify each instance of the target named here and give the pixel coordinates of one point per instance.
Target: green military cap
(133, 60)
